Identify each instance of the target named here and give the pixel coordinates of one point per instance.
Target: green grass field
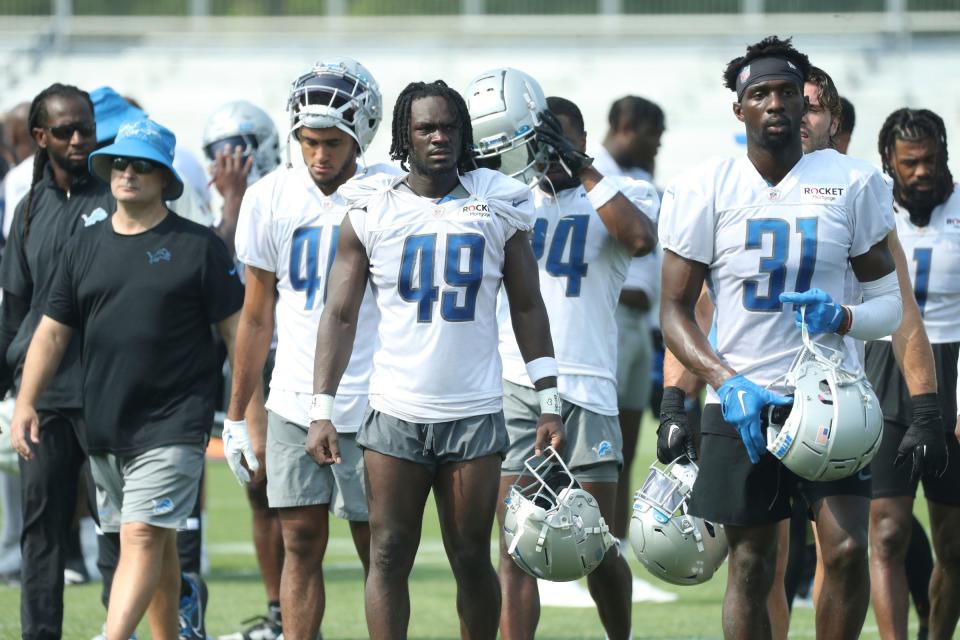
(236, 592)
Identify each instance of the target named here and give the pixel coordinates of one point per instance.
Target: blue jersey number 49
(462, 267)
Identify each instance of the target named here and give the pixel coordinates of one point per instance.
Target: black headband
(763, 69)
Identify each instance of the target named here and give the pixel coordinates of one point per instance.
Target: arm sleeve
(871, 214)
(255, 244)
(61, 303)
(13, 311)
(15, 276)
(687, 222)
(222, 290)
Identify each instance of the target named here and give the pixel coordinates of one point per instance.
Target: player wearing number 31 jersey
(770, 232)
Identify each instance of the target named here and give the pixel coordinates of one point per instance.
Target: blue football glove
(822, 314)
(742, 401)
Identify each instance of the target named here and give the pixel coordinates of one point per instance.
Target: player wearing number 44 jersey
(916, 444)
(586, 231)
(287, 237)
(770, 232)
(436, 245)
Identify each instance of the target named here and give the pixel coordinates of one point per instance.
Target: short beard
(423, 170)
(74, 169)
(342, 176)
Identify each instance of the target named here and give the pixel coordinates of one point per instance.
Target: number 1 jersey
(436, 269)
(760, 240)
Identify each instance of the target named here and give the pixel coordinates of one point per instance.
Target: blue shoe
(191, 611)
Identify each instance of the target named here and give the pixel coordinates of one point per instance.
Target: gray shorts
(158, 487)
(434, 444)
(295, 480)
(594, 448)
(634, 358)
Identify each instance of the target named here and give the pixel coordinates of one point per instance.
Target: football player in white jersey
(770, 232)
(587, 230)
(435, 244)
(287, 237)
(917, 443)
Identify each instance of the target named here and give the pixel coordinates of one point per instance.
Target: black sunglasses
(66, 131)
(139, 166)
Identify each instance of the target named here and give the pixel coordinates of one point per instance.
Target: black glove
(924, 442)
(674, 435)
(550, 133)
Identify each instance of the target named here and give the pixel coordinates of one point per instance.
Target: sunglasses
(66, 131)
(139, 166)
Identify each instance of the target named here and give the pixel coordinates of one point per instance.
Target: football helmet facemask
(340, 93)
(673, 545)
(553, 528)
(835, 425)
(505, 106)
(242, 124)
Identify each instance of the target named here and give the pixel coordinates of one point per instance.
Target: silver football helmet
(835, 425)
(553, 528)
(505, 106)
(338, 92)
(243, 124)
(673, 545)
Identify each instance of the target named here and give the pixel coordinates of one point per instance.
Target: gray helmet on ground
(337, 92)
(835, 426)
(505, 106)
(672, 544)
(245, 125)
(552, 527)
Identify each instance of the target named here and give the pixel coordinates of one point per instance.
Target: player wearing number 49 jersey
(287, 237)
(436, 245)
(770, 232)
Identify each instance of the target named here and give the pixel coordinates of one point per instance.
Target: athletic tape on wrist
(542, 368)
(321, 408)
(602, 193)
(549, 400)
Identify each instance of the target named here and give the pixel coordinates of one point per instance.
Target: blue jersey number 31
(775, 265)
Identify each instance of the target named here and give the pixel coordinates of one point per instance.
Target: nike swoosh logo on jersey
(864, 475)
(740, 395)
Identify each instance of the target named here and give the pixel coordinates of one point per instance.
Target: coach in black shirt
(141, 291)
(63, 198)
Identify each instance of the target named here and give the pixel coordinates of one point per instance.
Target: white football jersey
(760, 240)
(289, 227)
(582, 269)
(933, 256)
(436, 269)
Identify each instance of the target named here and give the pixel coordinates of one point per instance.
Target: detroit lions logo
(604, 448)
(162, 506)
(95, 216)
(158, 255)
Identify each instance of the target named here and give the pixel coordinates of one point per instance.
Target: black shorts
(891, 389)
(730, 490)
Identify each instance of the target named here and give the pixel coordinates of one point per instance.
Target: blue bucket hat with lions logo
(144, 139)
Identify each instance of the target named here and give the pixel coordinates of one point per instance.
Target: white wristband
(602, 193)
(321, 408)
(542, 368)
(549, 400)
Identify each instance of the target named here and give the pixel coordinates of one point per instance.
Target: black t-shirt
(143, 305)
(28, 269)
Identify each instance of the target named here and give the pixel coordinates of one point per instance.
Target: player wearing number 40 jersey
(436, 245)
(769, 232)
(287, 237)
(587, 229)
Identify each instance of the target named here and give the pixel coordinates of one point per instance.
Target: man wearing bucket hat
(141, 291)
(112, 111)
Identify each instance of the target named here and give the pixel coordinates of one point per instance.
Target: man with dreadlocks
(63, 197)
(750, 228)
(917, 445)
(435, 244)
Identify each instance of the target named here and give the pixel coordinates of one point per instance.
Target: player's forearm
(676, 375)
(335, 337)
(911, 347)
(684, 338)
(532, 329)
(252, 346)
(227, 230)
(626, 223)
(44, 355)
